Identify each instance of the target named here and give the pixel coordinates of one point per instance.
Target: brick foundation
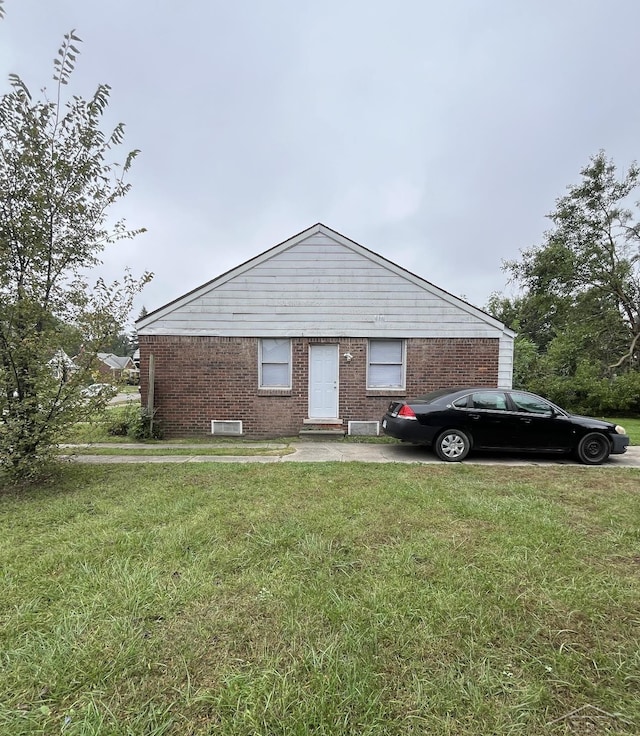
(198, 379)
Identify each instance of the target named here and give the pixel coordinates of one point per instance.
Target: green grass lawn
(632, 426)
(336, 598)
(178, 450)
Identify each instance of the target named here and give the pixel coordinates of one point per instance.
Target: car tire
(593, 449)
(452, 445)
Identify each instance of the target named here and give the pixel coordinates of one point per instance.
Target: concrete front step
(327, 432)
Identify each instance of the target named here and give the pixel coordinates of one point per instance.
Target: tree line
(577, 309)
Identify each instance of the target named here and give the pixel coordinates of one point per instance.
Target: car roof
(444, 392)
(457, 391)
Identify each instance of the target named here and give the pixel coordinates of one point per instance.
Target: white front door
(323, 381)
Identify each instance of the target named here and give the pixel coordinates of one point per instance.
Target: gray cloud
(437, 134)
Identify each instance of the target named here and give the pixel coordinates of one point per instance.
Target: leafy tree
(578, 312)
(526, 358)
(133, 339)
(59, 180)
(585, 277)
(119, 344)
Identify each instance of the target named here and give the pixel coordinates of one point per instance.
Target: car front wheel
(452, 446)
(594, 448)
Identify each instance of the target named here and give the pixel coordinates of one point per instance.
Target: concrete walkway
(309, 451)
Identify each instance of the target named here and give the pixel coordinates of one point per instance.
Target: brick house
(317, 333)
(114, 367)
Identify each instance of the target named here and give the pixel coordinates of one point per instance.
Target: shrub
(131, 421)
(119, 420)
(587, 392)
(141, 427)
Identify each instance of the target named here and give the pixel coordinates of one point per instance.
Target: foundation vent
(364, 429)
(231, 428)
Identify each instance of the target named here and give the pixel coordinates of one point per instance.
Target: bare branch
(629, 354)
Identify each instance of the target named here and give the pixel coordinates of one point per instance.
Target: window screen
(275, 363)
(386, 364)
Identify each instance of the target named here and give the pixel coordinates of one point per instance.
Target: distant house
(318, 333)
(115, 367)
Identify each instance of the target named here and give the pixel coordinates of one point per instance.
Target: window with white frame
(386, 364)
(275, 363)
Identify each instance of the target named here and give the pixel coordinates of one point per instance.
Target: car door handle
(474, 416)
(526, 420)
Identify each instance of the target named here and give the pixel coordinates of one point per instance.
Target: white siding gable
(320, 284)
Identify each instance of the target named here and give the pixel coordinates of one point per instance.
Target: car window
(460, 403)
(489, 400)
(437, 394)
(531, 404)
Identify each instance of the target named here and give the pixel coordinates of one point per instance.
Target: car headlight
(620, 430)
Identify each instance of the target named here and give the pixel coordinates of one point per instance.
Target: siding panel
(321, 288)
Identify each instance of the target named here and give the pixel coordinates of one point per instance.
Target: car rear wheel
(594, 448)
(452, 446)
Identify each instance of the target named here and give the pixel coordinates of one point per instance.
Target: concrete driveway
(313, 452)
(380, 453)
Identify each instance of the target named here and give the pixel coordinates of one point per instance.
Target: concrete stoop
(323, 431)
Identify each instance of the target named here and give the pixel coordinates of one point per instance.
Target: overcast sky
(438, 134)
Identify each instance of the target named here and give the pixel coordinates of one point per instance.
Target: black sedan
(456, 420)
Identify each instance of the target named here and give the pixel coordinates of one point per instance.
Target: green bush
(133, 422)
(587, 392)
(119, 420)
(141, 427)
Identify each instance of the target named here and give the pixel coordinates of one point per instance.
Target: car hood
(591, 423)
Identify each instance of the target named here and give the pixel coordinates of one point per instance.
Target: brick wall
(198, 379)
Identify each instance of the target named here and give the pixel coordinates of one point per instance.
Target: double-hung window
(386, 366)
(275, 363)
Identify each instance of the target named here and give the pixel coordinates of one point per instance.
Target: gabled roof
(115, 362)
(272, 253)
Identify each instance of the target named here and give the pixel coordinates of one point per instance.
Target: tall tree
(119, 344)
(133, 339)
(58, 183)
(585, 276)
